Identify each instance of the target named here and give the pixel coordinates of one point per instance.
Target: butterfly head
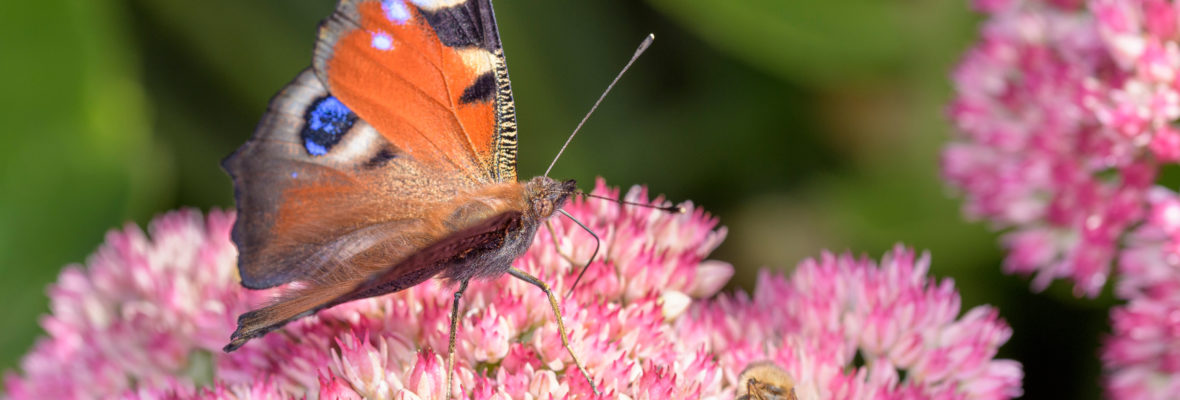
(545, 195)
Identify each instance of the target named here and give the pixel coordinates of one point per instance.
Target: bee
(765, 381)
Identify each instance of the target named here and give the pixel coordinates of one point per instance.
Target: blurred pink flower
(1142, 356)
(146, 319)
(1061, 132)
(1067, 113)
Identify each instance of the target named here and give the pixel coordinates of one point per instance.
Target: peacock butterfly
(390, 161)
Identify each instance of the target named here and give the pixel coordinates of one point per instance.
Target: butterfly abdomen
(491, 254)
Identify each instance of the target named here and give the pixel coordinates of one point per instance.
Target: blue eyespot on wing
(326, 122)
(311, 160)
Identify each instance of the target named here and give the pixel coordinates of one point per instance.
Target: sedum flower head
(1142, 355)
(1060, 134)
(147, 316)
(850, 328)
(1067, 114)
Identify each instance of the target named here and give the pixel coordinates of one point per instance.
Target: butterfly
(391, 160)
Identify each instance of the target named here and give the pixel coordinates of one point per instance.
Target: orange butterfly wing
(430, 76)
(310, 203)
(408, 106)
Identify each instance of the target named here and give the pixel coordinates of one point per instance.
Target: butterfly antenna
(667, 209)
(597, 244)
(639, 51)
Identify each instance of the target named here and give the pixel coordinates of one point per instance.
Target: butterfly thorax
(507, 233)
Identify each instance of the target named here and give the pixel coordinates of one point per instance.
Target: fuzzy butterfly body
(390, 161)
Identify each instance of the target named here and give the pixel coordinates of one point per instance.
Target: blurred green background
(804, 125)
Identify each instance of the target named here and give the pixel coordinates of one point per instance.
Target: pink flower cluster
(143, 313)
(848, 328)
(1142, 356)
(146, 319)
(1067, 113)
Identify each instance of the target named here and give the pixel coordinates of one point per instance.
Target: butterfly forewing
(429, 75)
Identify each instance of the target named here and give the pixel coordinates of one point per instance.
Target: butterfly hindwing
(317, 189)
(430, 76)
(410, 271)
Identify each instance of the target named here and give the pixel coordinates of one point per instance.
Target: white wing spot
(479, 60)
(382, 41)
(396, 11)
(435, 5)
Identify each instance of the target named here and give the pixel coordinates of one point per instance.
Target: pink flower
(1066, 111)
(817, 322)
(146, 319)
(1142, 356)
(143, 313)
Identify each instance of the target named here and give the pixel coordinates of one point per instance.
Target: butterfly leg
(524, 276)
(570, 259)
(557, 247)
(454, 327)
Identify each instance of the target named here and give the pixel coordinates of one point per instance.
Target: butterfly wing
(318, 188)
(429, 75)
(414, 269)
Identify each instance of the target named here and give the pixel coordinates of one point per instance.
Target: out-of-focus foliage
(78, 154)
(816, 42)
(802, 124)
